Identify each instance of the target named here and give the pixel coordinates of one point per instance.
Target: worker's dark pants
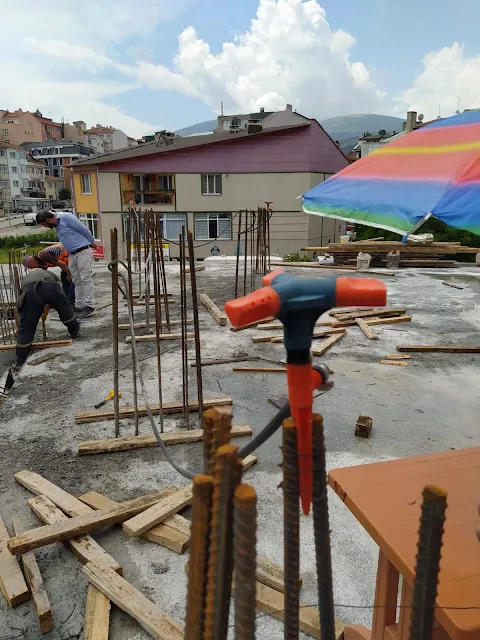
(68, 288)
(37, 297)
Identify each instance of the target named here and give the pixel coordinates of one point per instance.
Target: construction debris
(363, 426)
(327, 344)
(213, 310)
(12, 582)
(39, 345)
(395, 363)
(454, 286)
(440, 348)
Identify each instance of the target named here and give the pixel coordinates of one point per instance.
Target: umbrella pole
(417, 226)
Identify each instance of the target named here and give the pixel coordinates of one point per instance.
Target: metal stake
(114, 258)
(196, 323)
(291, 531)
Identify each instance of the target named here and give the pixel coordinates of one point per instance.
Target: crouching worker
(40, 289)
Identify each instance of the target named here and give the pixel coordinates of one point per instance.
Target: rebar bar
(158, 313)
(130, 304)
(197, 575)
(220, 561)
(291, 531)
(114, 258)
(321, 529)
(244, 550)
(196, 323)
(237, 263)
(164, 283)
(183, 309)
(245, 253)
(428, 562)
(217, 425)
(148, 262)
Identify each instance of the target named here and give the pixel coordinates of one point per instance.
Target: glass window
(4, 132)
(2, 153)
(15, 183)
(165, 183)
(170, 225)
(14, 169)
(213, 226)
(211, 184)
(13, 154)
(90, 220)
(86, 180)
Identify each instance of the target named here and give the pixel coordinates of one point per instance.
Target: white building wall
(119, 140)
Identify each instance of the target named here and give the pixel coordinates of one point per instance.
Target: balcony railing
(149, 197)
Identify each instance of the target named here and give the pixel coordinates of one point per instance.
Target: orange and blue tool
(298, 303)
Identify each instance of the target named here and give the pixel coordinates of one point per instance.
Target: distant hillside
(345, 129)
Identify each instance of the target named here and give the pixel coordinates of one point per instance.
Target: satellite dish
(421, 117)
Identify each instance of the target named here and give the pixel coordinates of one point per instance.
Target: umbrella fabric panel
(460, 207)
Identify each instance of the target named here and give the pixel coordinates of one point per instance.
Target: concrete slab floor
(429, 406)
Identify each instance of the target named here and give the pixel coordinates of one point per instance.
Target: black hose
(268, 431)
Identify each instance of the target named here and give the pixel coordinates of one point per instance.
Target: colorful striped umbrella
(434, 170)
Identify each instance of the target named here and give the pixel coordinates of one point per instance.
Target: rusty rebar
(114, 259)
(196, 323)
(245, 559)
(220, 560)
(237, 262)
(148, 264)
(217, 426)
(321, 529)
(130, 304)
(197, 573)
(158, 313)
(428, 562)
(183, 316)
(245, 254)
(291, 531)
(163, 278)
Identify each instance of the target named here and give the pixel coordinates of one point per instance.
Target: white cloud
(289, 54)
(447, 75)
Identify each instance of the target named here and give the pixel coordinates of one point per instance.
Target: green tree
(64, 194)
(382, 132)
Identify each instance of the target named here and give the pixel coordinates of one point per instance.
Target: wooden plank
(248, 462)
(151, 337)
(34, 579)
(141, 442)
(210, 363)
(39, 345)
(327, 344)
(375, 313)
(73, 527)
(366, 329)
(307, 265)
(451, 284)
(259, 370)
(97, 615)
(377, 321)
(200, 267)
(268, 338)
(12, 582)
(251, 325)
(174, 533)
(271, 574)
(271, 326)
(398, 356)
(440, 348)
(394, 363)
(143, 325)
(339, 311)
(213, 310)
(128, 412)
(133, 602)
(322, 333)
(39, 485)
(158, 513)
(85, 548)
(271, 601)
(42, 359)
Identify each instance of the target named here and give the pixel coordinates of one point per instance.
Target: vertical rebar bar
(114, 259)
(130, 304)
(148, 263)
(217, 429)
(252, 245)
(245, 560)
(291, 531)
(158, 312)
(164, 283)
(197, 573)
(428, 562)
(321, 529)
(245, 251)
(237, 262)
(220, 560)
(183, 304)
(196, 323)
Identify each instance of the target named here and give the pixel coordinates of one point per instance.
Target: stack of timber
(411, 255)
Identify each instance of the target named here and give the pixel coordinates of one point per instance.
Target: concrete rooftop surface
(430, 406)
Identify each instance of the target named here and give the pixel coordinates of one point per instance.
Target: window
(14, 169)
(170, 225)
(2, 153)
(211, 184)
(13, 154)
(86, 181)
(90, 220)
(4, 183)
(22, 155)
(55, 162)
(213, 226)
(3, 168)
(165, 183)
(4, 132)
(15, 183)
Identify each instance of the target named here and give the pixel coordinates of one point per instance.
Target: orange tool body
(298, 303)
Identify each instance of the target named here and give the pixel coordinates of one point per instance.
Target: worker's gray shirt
(37, 275)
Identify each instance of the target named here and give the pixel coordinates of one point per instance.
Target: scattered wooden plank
(173, 533)
(398, 356)
(322, 333)
(376, 321)
(142, 325)
(129, 412)
(340, 311)
(366, 329)
(39, 485)
(213, 310)
(163, 336)
(72, 528)
(259, 370)
(313, 265)
(271, 601)
(133, 602)
(327, 344)
(34, 579)
(42, 359)
(375, 313)
(451, 284)
(376, 272)
(39, 345)
(97, 615)
(394, 363)
(12, 582)
(141, 442)
(440, 348)
(251, 325)
(268, 338)
(210, 363)
(271, 574)
(271, 326)
(85, 548)
(158, 513)
(200, 267)
(370, 240)
(248, 462)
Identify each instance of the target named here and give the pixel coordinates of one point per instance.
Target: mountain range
(346, 129)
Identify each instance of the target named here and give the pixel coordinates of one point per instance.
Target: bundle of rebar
(253, 242)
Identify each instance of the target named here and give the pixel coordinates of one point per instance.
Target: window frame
(204, 187)
(210, 217)
(15, 183)
(163, 217)
(93, 218)
(83, 177)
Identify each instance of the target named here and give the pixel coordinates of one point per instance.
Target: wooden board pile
(411, 255)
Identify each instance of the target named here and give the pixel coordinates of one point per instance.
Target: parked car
(30, 219)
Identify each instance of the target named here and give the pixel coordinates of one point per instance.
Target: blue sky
(115, 62)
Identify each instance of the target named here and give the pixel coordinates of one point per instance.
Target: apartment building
(17, 127)
(57, 156)
(22, 180)
(113, 139)
(203, 181)
(259, 120)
